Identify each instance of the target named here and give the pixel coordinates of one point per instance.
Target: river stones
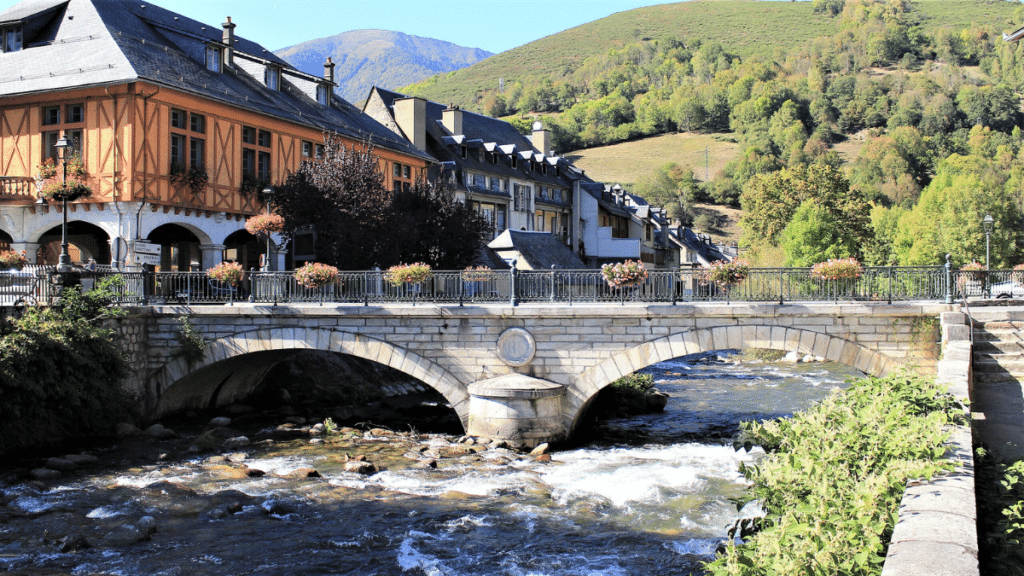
(82, 459)
(45, 474)
(278, 507)
(161, 432)
(360, 467)
(219, 422)
(236, 442)
(540, 449)
(60, 464)
(147, 524)
(124, 535)
(426, 464)
(72, 542)
(127, 429)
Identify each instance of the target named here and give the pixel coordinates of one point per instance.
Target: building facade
(179, 126)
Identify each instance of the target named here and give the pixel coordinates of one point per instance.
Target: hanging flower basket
(973, 272)
(408, 273)
(316, 275)
(229, 273)
(11, 260)
(478, 274)
(1017, 275)
(726, 274)
(837, 269)
(624, 274)
(263, 224)
(48, 169)
(71, 190)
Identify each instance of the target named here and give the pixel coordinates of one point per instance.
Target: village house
(180, 126)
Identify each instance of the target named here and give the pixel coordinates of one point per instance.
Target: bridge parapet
(580, 349)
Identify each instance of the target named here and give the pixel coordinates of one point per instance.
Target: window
(403, 172)
(307, 149)
(248, 135)
(256, 163)
(178, 118)
(521, 197)
(197, 123)
(494, 158)
(187, 150)
(10, 39)
(213, 58)
(264, 140)
(50, 143)
(264, 165)
(464, 151)
(319, 148)
(196, 152)
(51, 115)
(323, 94)
(272, 78)
(75, 114)
(515, 162)
(496, 184)
(248, 162)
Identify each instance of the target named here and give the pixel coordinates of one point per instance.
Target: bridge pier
(519, 409)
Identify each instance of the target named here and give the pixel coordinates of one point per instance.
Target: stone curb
(937, 534)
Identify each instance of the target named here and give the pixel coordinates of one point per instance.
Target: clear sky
(492, 25)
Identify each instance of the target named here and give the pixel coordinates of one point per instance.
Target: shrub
(1000, 489)
(264, 224)
(11, 260)
(191, 341)
(837, 269)
(316, 275)
(973, 272)
(635, 383)
(226, 272)
(831, 483)
(408, 273)
(61, 371)
(726, 273)
(624, 274)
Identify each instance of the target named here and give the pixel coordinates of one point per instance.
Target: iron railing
(780, 285)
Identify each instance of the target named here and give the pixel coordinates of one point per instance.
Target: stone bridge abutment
(523, 374)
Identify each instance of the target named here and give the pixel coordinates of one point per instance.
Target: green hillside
(743, 27)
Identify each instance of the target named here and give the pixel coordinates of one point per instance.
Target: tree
(361, 224)
(814, 235)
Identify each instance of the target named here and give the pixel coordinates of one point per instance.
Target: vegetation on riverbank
(630, 395)
(1000, 489)
(833, 477)
(61, 372)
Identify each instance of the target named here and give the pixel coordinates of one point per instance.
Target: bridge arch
(833, 348)
(296, 338)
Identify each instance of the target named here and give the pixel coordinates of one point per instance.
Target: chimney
(329, 70)
(228, 39)
(540, 138)
(411, 117)
(451, 118)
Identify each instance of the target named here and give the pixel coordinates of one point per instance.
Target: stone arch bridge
(524, 374)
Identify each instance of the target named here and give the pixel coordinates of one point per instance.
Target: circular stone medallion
(516, 347)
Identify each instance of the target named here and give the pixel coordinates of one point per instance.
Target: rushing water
(648, 495)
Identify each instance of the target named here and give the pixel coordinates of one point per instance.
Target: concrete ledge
(937, 530)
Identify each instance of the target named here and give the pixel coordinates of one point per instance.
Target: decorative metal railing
(779, 285)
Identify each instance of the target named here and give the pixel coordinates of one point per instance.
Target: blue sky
(492, 25)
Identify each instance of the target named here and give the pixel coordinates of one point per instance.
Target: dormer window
(494, 158)
(10, 38)
(515, 162)
(272, 78)
(323, 94)
(213, 58)
(464, 151)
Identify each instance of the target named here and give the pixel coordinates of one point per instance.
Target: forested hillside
(930, 87)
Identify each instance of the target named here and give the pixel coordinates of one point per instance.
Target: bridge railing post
(949, 278)
(513, 287)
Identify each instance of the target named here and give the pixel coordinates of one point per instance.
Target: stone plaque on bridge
(516, 347)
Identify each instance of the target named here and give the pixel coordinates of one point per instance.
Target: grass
(627, 162)
(743, 27)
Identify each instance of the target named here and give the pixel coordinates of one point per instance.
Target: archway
(242, 247)
(832, 348)
(183, 384)
(5, 241)
(179, 248)
(85, 242)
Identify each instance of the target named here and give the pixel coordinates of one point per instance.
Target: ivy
(831, 483)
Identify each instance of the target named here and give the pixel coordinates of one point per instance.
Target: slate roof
(489, 134)
(83, 43)
(707, 252)
(540, 250)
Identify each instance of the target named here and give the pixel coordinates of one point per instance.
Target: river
(644, 495)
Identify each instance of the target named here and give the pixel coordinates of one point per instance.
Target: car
(1008, 289)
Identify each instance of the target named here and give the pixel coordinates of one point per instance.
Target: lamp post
(64, 150)
(987, 224)
(268, 196)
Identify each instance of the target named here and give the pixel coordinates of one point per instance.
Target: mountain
(746, 28)
(366, 58)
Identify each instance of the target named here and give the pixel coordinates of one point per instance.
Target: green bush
(834, 476)
(636, 383)
(61, 372)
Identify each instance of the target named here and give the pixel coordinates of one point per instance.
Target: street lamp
(64, 150)
(268, 195)
(987, 224)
